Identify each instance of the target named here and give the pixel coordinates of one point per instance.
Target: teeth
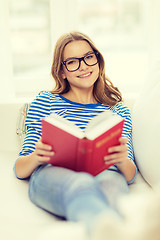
(85, 75)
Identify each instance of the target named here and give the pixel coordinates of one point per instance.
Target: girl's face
(85, 76)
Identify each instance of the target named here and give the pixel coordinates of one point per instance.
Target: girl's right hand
(25, 165)
(43, 152)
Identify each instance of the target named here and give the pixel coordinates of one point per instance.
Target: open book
(79, 150)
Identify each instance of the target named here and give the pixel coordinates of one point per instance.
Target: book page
(65, 124)
(101, 123)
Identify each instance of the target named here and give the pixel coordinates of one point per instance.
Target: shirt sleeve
(124, 112)
(127, 132)
(40, 107)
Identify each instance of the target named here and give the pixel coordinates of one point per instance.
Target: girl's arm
(33, 153)
(122, 155)
(119, 156)
(25, 165)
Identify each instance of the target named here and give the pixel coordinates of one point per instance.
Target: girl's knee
(80, 180)
(82, 183)
(113, 179)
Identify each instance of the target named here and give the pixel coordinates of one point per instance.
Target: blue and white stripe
(47, 103)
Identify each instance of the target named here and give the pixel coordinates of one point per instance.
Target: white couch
(19, 218)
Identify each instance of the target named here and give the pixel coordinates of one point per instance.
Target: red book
(78, 150)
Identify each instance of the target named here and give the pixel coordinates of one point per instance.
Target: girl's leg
(75, 196)
(114, 186)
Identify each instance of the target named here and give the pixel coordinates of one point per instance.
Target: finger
(123, 140)
(110, 162)
(116, 156)
(44, 153)
(43, 159)
(115, 161)
(40, 145)
(119, 148)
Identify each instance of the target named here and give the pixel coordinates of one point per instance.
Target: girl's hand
(43, 152)
(118, 154)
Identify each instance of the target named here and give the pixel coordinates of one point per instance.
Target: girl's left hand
(118, 154)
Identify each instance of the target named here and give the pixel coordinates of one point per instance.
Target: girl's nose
(83, 65)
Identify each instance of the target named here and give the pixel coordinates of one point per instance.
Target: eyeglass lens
(74, 63)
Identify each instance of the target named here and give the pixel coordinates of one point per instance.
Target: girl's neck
(80, 97)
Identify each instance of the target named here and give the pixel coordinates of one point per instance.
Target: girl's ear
(63, 74)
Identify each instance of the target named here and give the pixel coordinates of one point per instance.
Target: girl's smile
(87, 74)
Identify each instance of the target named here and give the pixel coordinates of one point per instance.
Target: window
(31, 43)
(118, 27)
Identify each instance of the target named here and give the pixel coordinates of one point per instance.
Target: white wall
(6, 84)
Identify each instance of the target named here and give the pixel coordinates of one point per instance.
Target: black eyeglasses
(73, 64)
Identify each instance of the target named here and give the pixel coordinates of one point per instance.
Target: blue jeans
(76, 196)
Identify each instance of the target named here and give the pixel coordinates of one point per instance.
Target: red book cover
(91, 152)
(78, 152)
(64, 145)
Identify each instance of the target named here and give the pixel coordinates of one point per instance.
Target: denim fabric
(73, 195)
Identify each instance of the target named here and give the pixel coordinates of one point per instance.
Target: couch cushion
(146, 129)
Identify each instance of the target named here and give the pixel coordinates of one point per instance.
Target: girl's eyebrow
(77, 57)
(89, 52)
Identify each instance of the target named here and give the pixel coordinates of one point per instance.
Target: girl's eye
(71, 62)
(90, 56)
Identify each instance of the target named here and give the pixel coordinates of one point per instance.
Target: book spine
(84, 155)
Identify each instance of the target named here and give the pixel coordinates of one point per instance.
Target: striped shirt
(80, 114)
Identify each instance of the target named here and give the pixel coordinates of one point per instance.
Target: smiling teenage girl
(82, 91)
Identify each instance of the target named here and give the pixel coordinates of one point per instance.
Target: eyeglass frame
(80, 60)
